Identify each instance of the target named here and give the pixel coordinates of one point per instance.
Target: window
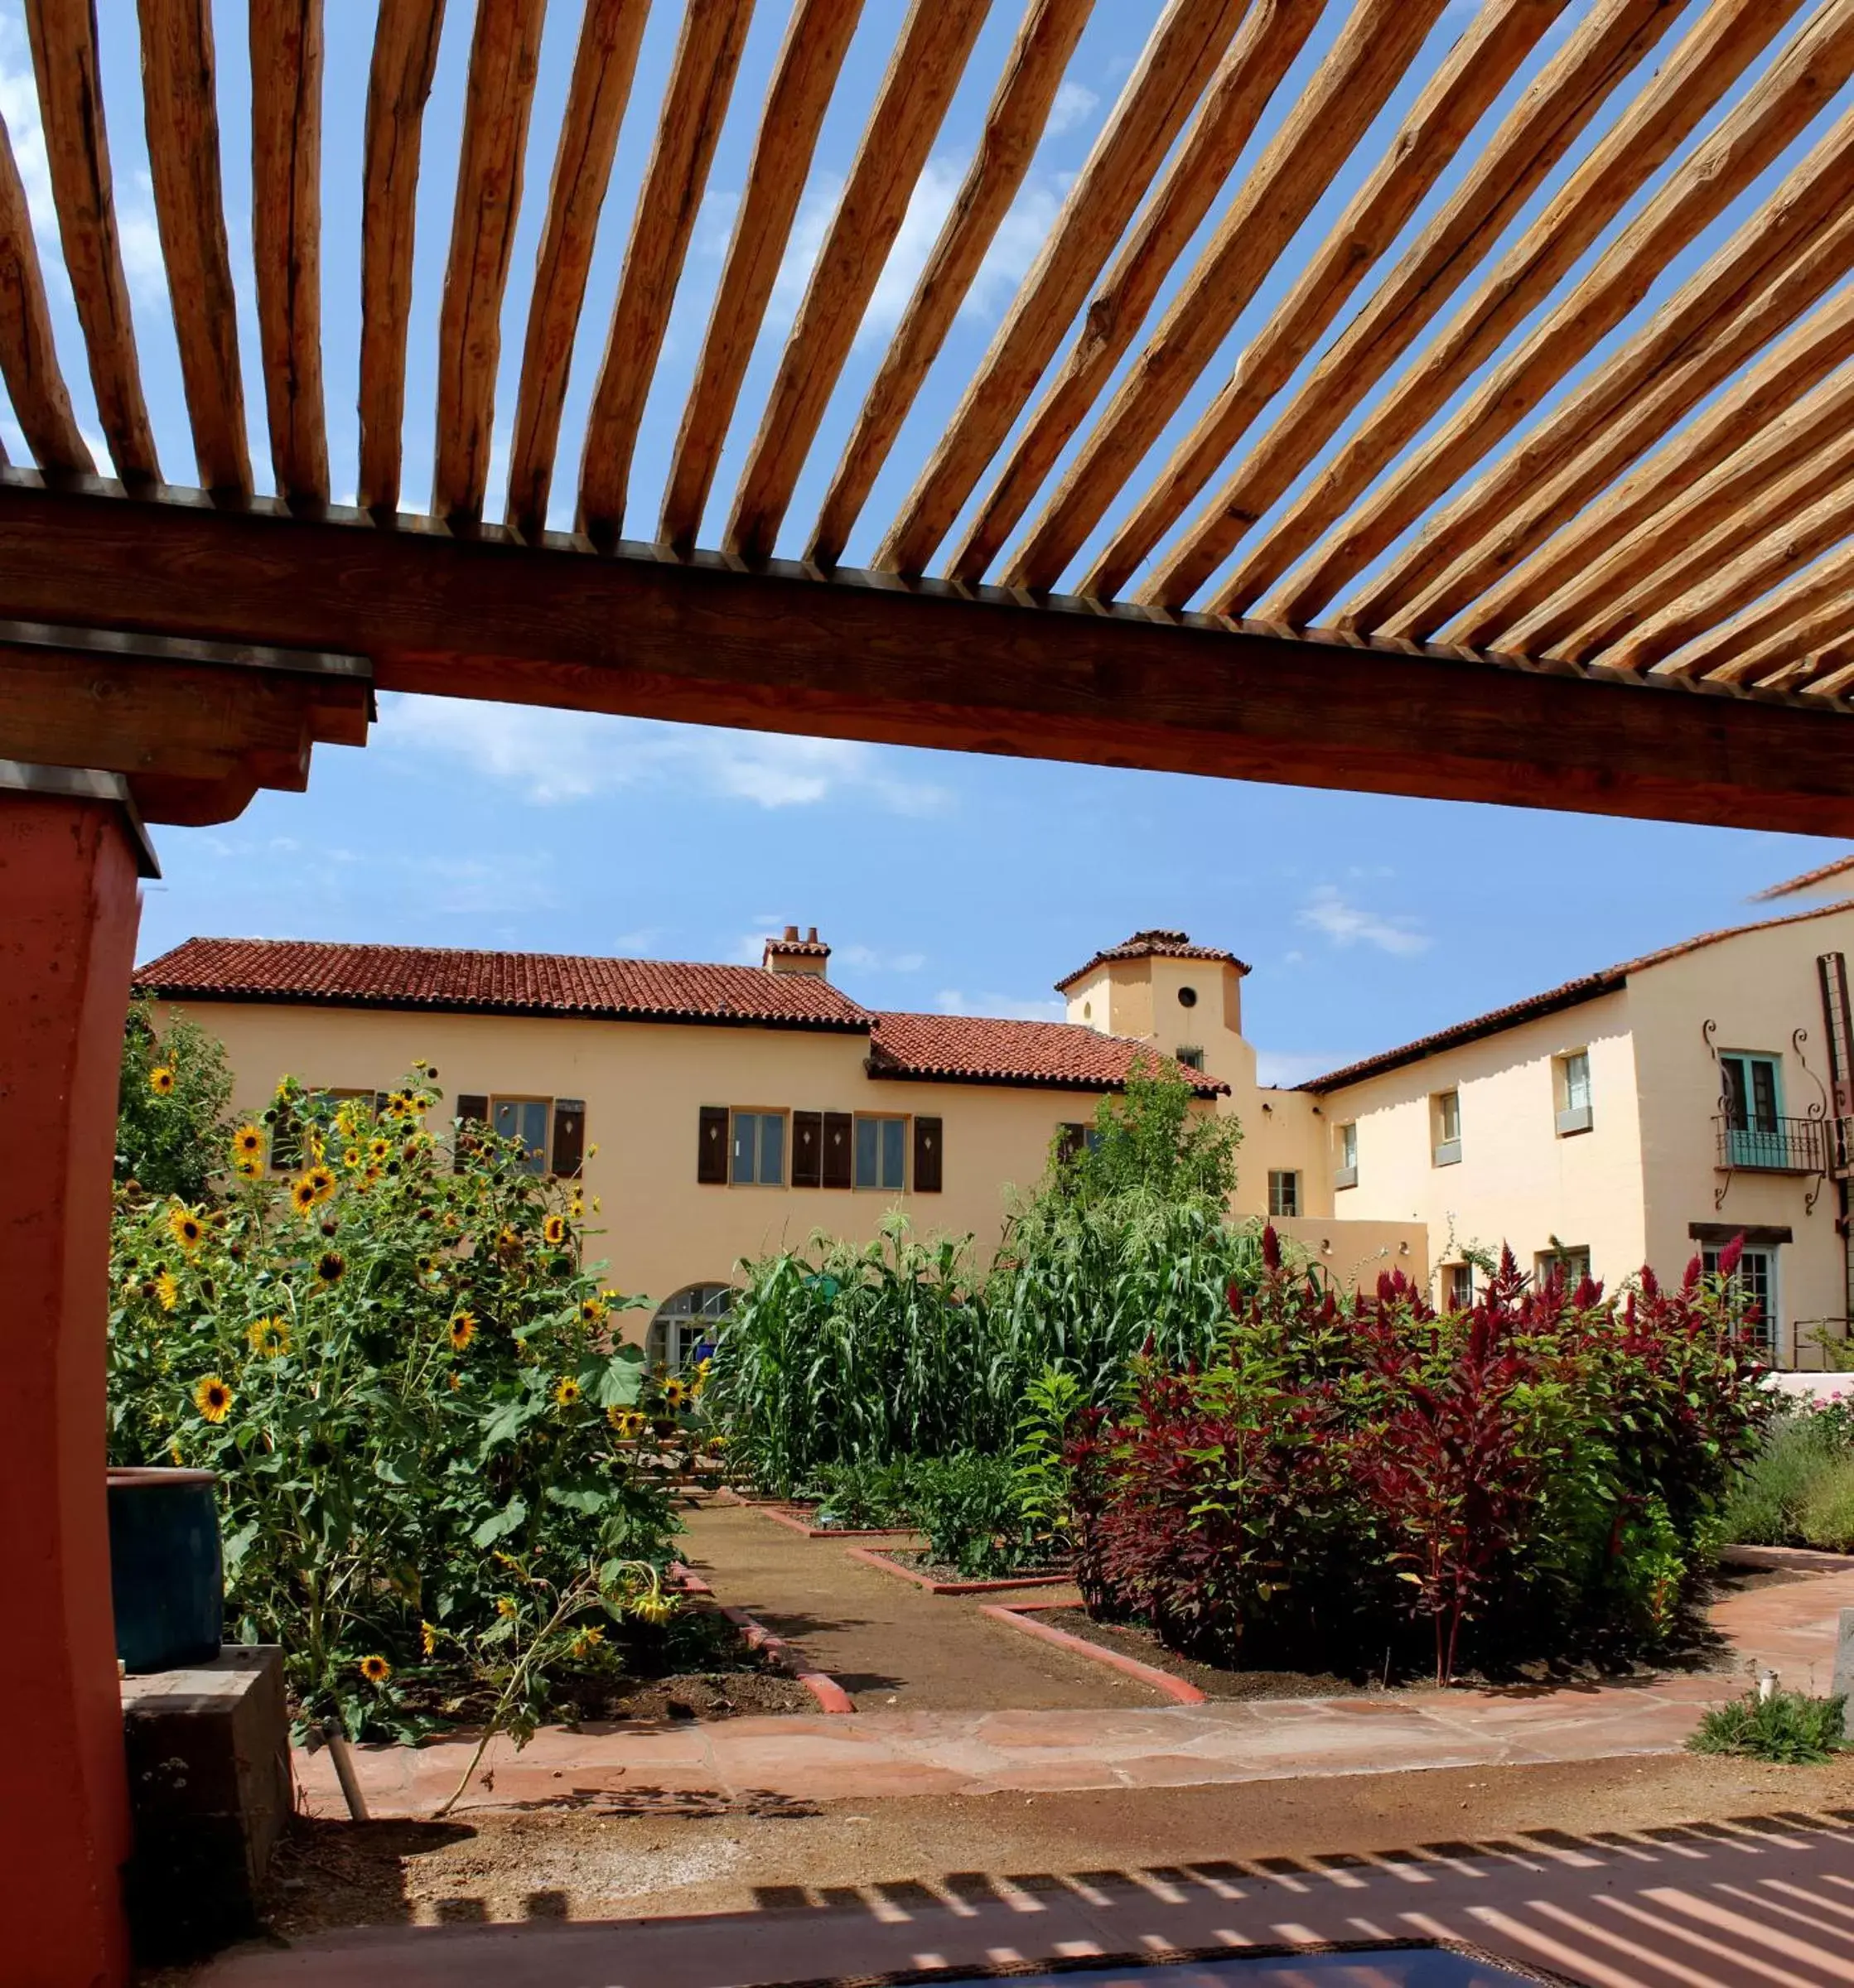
(685, 1327)
(1572, 1083)
(1445, 1118)
(881, 1153)
(1757, 1276)
(286, 1132)
(1284, 1193)
(1347, 1175)
(525, 1119)
(757, 1154)
(1458, 1286)
(1568, 1261)
(1752, 1102)
(1191, 1057)
(1187, 997)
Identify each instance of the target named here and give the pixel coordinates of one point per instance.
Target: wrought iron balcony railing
(1777, 1145)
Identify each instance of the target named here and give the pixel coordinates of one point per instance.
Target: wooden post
(68, 912)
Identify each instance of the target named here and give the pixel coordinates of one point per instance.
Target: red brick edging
(1021, 1615)
(831, 1695)
(955, 1587)
(796, 1522)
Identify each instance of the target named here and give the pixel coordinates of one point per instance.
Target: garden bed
(938, 1578)
(802, 1519)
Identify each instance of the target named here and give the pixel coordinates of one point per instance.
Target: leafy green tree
(172, 1106)
(1150, 1145)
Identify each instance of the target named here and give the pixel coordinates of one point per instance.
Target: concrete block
(210, 1787)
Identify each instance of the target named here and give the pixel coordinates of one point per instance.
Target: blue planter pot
(166, 1576)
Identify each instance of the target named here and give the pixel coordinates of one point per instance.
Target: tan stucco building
(719, 1113)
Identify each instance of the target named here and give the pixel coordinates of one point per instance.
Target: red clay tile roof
(1158, 943)
(1840, 867)
(496, 983)
(976, 1049)
(1591, 987)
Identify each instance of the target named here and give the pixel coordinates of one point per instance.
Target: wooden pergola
(1534, 483)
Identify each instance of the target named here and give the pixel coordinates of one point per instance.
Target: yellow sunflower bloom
(583, 1644)
(428, 1638)
(248, 1142)
(565, 1395)
(186, 1228)
(505, 1607)
(378, 1150)
(167, 1292)
(161, 1082)
(627, 1422)
(213, 1398)
(269, 1338)
(303, 1195)
(553, 1230)
(376, 1670)
(463, 1330)
(322, 1180)
(247, 1167)
(353, 1160)
(653, 1605)
(592, 1312)
(675, 1392)
(331, 1267)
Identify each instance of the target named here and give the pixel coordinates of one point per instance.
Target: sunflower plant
(406, 1378)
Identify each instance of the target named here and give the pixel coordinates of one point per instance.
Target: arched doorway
(684, 1327)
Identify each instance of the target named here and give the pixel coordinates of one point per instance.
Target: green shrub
(1788, 1727)
(1825, 1518)
(968, 1507)
(1802, 1449)
(406, 1381)
(864, 1496)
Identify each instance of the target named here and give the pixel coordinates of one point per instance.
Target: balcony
(1777, 1145)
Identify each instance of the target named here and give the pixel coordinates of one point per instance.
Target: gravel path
(890, 1644)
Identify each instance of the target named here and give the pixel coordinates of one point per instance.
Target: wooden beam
(1781, 374)
(1014, 122)
(1703, 66)
(1368, 57)
(1179, 57)
(1245, 82)
(1794, 459)
(609, 36)
(865, 656)
(929, 58)
(1813, 646)
(63, 40)
(405, 61)
(286, 41)
(1766, 626)
(190, 724)
(28, 355)
(1806, 229)
(694, 107)
(1599, 52)
(1753, 135)
(504, 54)
(180, 102)
(805, 76)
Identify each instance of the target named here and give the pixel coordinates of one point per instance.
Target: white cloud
(1349, 924)
(557, 755)
(1006, 1007)
(1073, 101)
(1285, 1069)
(871, 962)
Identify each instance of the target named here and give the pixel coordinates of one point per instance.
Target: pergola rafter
(1540, 352)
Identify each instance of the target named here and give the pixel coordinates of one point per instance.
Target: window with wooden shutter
(1070, 1139)
(839, 1136)
(569, 1137)
(711, 1159)
(808, 1149)
(473, 1115)
(926, 1156)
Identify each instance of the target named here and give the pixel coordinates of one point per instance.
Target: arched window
(685, 1326)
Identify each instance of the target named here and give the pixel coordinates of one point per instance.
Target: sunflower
(161, 1082)
(675, 1392)
(247, 1169)
(303, 1195)
(463, 1330)
(213, 1398)
(425, 1266)
(186, 1228)
(628, 1422)
(592, 1312)
(330, 1265)
(378, 1150)
(269, 1338)
(576, 1209)
(565, 1395)
(248, 1142)
(428, 1637)
(352, 1160)
(398, 1105)
(553, 1230)
(652, 1606)
(583, 1644)
(375, 1669)
(166, 1290)
(174, 1450)
(456, 1381)
(505, 1607)
(508, 1242)
(322, 1180)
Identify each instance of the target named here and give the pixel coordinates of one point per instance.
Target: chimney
(791, 954)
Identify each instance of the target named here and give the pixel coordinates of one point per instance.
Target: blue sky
(943, 881)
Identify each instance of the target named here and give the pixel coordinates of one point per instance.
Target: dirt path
(891, 1645)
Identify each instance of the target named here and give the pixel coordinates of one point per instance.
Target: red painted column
(68, 912)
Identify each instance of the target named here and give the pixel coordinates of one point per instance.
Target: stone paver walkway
(1764, 1902)
(1789, 1627)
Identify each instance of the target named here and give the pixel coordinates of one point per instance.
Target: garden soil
(670, 1855)
(888, 1643)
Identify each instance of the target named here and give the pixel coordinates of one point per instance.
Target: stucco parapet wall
(1355, 1251)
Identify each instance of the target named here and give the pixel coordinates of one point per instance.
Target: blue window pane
(893, 1130)
(772, 1150)
(746, 1133)
(525, 1119)
(866, 1154)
